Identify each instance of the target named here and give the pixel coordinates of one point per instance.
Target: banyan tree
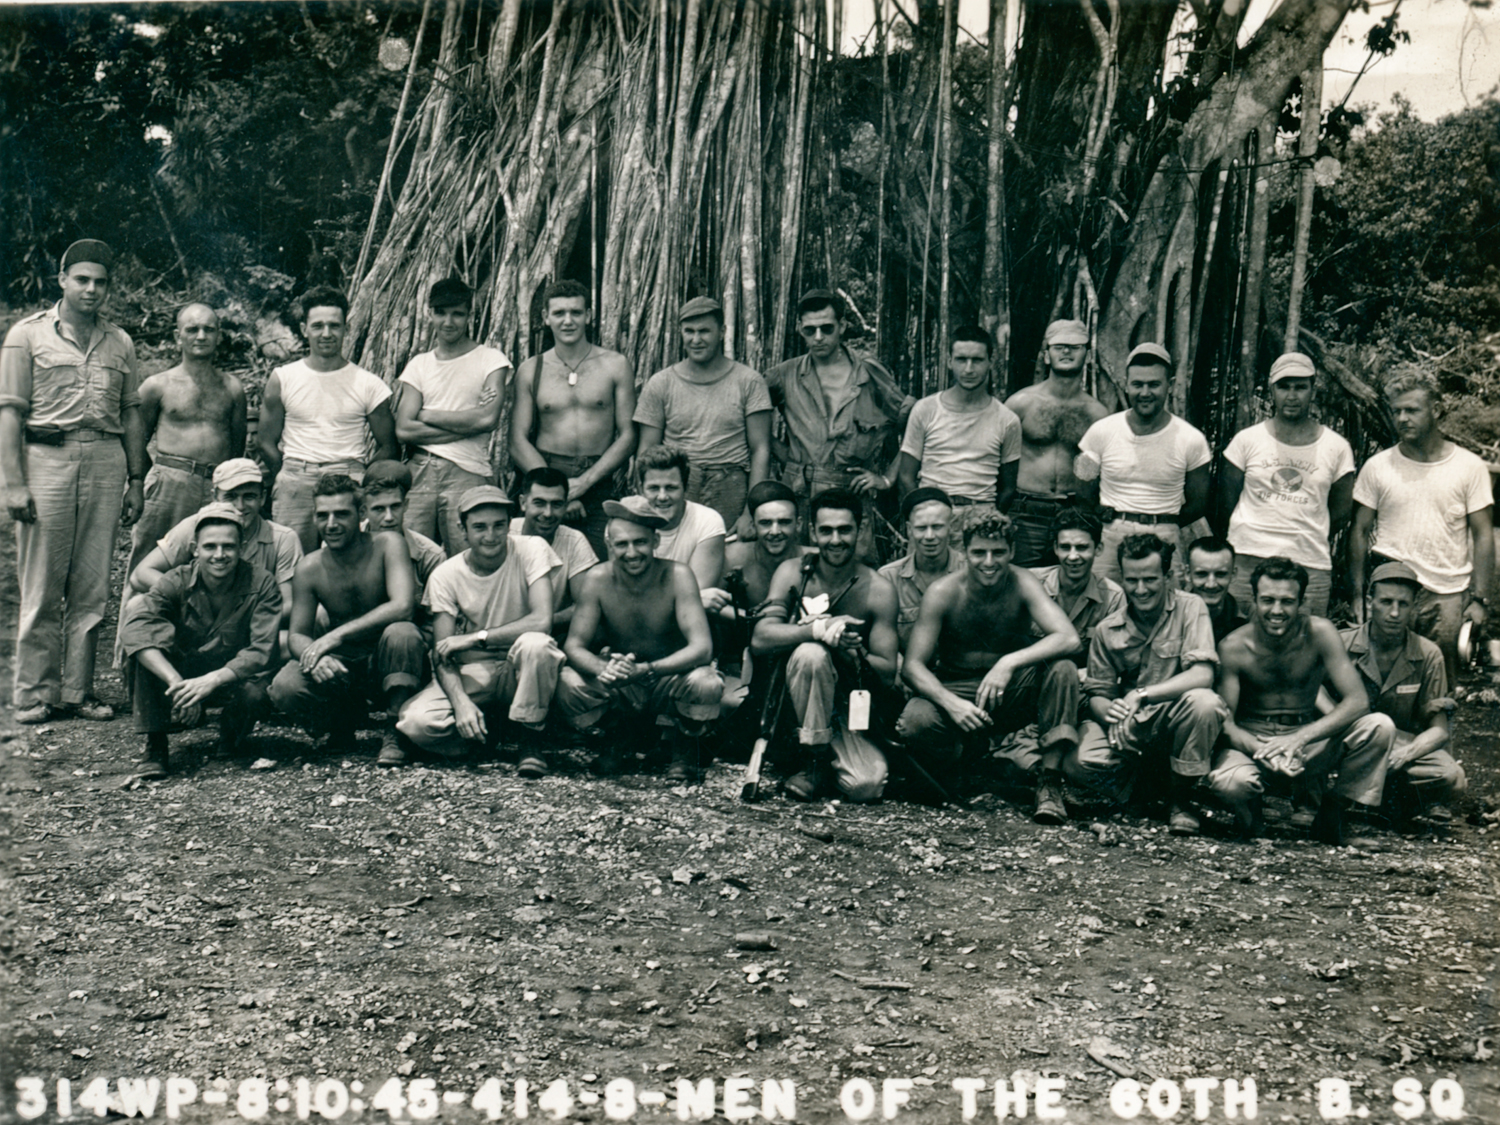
(1099, 159)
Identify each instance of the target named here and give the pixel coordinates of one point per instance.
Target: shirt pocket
(106, 379)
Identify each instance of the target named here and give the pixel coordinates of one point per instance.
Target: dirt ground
(318, 919)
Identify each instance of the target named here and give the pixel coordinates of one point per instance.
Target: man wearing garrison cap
(1055, 414)
(70, 439)
(1288, 481)
(715, 410)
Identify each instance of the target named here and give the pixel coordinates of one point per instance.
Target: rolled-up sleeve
(15, 369)
(1103, 680)
(130, 386)
(1197, 634)
(265, 629)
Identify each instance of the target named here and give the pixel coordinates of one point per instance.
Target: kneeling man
(492, 620)
(837, 619)
(1407, 683)
(371, 650)
(979, 671)
(202, 635)
(1270, 672)
(1150, 686)
(640, 643)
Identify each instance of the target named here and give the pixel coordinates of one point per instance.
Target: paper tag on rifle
(859, 710)
(813, 607)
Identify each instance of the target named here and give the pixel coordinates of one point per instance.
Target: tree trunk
(994, 300)
(1307, 152)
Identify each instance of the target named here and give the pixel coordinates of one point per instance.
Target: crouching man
(371, 652)
(1270, 672)
(640, 644)
(203, 635)
(837, 619)
(1149, 690)
(978, 670)
(492, 619)
(1407, 683)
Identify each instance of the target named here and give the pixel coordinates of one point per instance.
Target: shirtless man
(1269, 674)
(978, 671)
(574, 405)
(371, 649)
(1055, 414)
(387, 496)
(836, 620)
(448, 406)
(778, 531)
(640, 644)
(198, 417)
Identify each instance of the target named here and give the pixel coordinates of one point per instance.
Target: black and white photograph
(820, 561)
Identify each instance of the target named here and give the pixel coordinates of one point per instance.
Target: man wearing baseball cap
(205, 635)
(73, 459)
(1289, 481)
(843, 412)
(715, 410)
(1055, 414)
(640, 645)
(270, 546)
(491, 608)
(1148, 467)
(1407, 684)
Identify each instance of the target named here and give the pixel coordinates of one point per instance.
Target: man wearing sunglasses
(1054, 414)
(842, 413)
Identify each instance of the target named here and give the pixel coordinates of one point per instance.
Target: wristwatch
(1473, 597)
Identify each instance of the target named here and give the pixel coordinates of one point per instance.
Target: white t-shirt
(1141, 473)
(458, 384)
(488, 601)
(704, 420)
(326, 412)
(1283, 509)
(961, 451)
(1421, 512)
(698, 523)
(572, 547)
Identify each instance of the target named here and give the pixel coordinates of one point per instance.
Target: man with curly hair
(979, 670)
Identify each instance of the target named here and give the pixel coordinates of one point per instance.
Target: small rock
(263, 764)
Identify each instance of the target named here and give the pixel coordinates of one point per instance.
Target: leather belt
(186, 464)
(1284, 718)
(1109, 515)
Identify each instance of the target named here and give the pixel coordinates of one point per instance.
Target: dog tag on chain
(859, 710)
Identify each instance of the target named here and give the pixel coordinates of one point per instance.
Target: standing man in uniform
(841, 412)
(198, 417)
(1055, 414)
(320, 415)
(574, 405)
(717, 411)
(1148, 468)
(1269, 675)
(962, 439)
(448, 407)
(371, 651)
(1288, 481)
(1407, 686)
(1430, 505)
(73, 455)
(835, 618)
(930, 554)
(640, 644)
(978, 670)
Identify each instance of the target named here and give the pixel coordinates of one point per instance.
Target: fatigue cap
(1153, 352)
(235, 472)
(88, 250)
(1066, 332)
(1292, 365)
(700, 306)
(480, 495)
(636, 509)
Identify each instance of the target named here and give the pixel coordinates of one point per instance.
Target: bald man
(198, 416)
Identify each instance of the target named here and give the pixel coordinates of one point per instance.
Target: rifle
(770, 711)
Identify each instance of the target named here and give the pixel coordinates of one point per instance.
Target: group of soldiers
(1050, 610)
